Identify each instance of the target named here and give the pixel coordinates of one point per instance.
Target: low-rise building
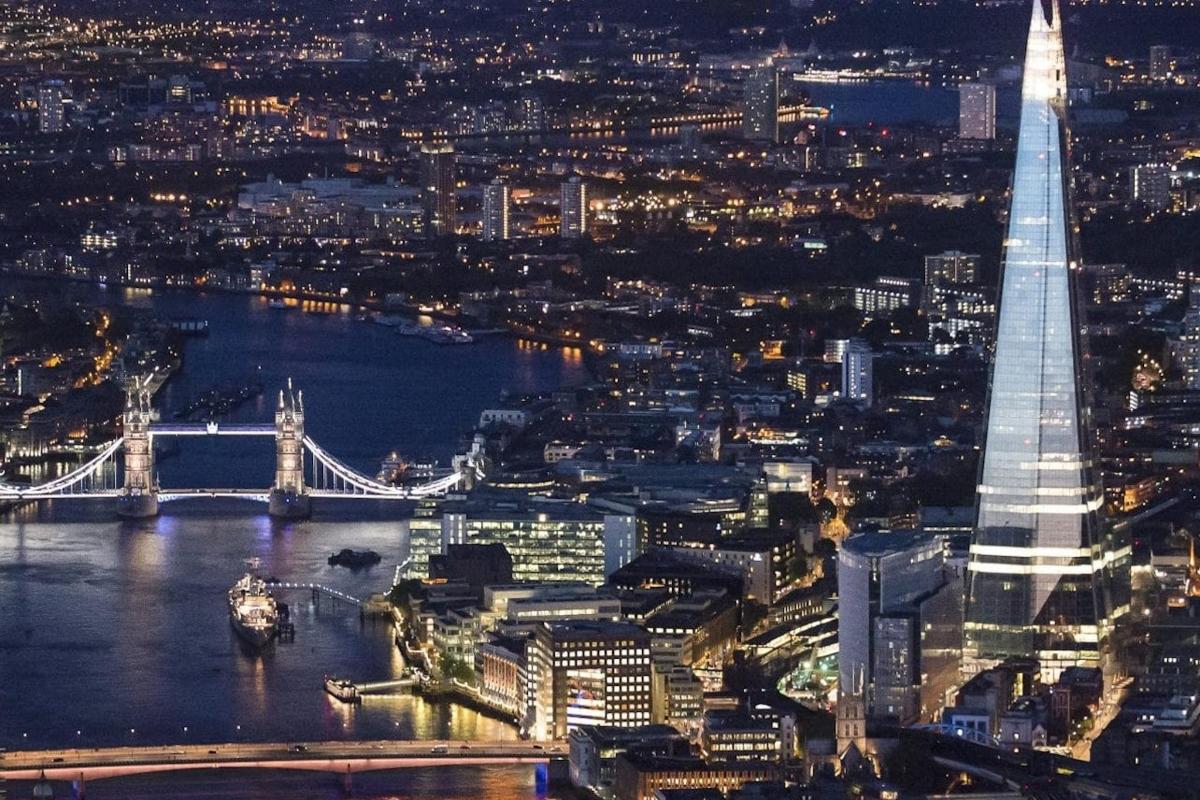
(638, 777)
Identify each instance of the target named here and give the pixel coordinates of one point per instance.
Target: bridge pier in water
(289, 497)
(139, 496)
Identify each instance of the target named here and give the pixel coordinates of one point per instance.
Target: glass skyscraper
(1043, 567)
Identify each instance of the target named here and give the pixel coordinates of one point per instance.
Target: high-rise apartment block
(760, 120)
(497, 200)
(952, 266)
(437, 188)
(1151, 184)
(1161, 62)
(976, 111)
(51, 113)
(573, 208)
(858, 372)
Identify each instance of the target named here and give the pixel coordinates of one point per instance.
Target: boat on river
(253, 612)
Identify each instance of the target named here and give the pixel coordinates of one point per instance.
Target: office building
(662, 526)
(51, 106)
(976, 111)
(501, 675)
(573, 208)
(835, 350)
(594, 750)
(767, 560)
(497, 200)
(858, 372)
(884, 296)
(641, 776)
(476, 565)
(952, 266)
(1151, 184)
(558, 542)
(899, 625)
(588, 673)
(760, 119)
(733, 735)
(1041, 567)
(437, 189)
(697, 630)
(522, 604)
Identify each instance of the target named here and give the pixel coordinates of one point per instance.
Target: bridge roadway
(211, 429)
(338, 757)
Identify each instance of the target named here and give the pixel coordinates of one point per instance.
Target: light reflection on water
(116, 632)
(448, 783)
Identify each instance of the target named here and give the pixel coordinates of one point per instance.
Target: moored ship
(253, 612)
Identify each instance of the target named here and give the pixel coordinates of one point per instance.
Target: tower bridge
(124, 468)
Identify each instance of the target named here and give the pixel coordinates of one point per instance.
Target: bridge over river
(303, 469)
(343, 758)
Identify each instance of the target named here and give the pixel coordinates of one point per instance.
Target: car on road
(300, 748)
(441, 748)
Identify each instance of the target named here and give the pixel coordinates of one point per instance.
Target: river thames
(116, 632)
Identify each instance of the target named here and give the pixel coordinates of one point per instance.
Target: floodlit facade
(1041, 568)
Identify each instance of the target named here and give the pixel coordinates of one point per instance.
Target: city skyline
(736, 401)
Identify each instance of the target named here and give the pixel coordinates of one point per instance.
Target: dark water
(116, 633)
(899, 102)
(452, 783)
(884, 102)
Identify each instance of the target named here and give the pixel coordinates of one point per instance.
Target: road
(341, 757)
(1110, 707)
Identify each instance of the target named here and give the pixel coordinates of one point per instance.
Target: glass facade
(1040, 562)
(566, 543)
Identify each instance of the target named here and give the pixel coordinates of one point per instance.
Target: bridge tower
(289, 498)
(139, 497)
(474, 459)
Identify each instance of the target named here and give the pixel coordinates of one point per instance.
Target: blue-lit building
(1046, 578)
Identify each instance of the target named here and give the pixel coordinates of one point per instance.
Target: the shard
(1042, 563)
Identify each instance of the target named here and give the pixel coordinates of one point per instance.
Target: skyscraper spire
(1040, 562)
